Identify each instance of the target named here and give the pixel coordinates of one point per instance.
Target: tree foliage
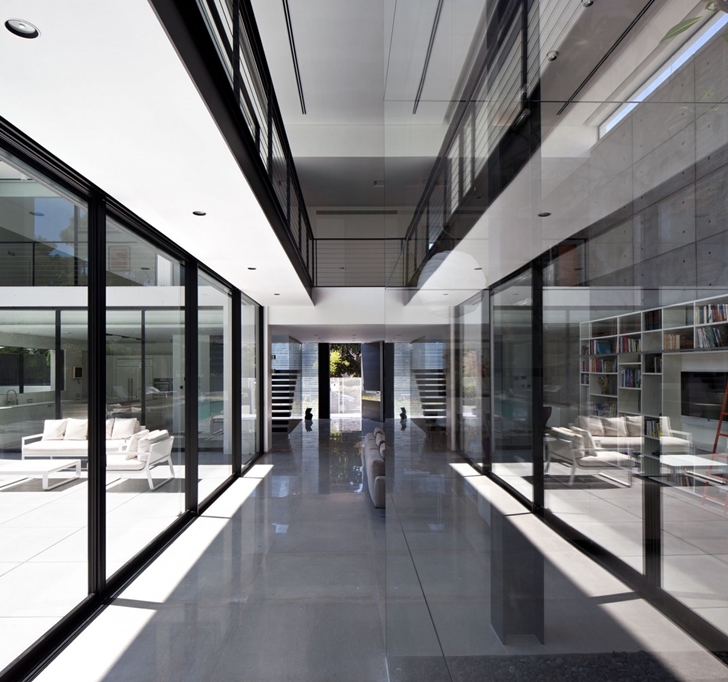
(345, 360)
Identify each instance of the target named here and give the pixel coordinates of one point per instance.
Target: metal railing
(231, 25)
(495, 102)
(359, 262)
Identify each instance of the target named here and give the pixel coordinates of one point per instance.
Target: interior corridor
(293, 575)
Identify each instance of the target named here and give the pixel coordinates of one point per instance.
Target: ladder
(718, 457)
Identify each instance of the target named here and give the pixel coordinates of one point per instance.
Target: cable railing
(359, 262)
(495, 103)
(231, 25)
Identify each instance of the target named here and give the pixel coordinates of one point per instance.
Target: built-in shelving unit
(622, 356)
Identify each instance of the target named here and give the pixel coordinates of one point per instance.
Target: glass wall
(145, 323)
(44, 375)
(512, 427)
(473, 389)
(214, 408)
(46, 562)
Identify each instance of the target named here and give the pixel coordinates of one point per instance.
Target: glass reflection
(44, 374)
(144, 393)
(512, 427)
(215, 384)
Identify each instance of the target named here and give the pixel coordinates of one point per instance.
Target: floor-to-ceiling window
(214, 408)
(44, 378)
(145, 326)
(512, 422)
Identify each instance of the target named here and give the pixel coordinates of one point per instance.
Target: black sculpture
(309, 414)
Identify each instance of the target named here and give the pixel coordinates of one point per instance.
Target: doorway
(345, 380)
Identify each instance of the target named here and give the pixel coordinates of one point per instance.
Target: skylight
(692, 47)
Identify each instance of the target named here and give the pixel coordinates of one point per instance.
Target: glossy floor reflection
(292, 575)
(279, 580)
(441, 535)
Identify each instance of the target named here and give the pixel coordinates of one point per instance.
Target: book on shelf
(716, 312)
(678, 341)
(652, 428)
(712, 337)
(630, 377)
(629, 344)
(604, 409)
(602, 347)
(603, 365)
(653, 364)
(653, 320)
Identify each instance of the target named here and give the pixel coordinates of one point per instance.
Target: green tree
(345, 360)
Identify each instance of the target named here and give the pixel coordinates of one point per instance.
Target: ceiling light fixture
(22, 28)
(544, 214)
(276, 294)
(36, 213)
(252, 268)
(553, 55)
(200, 213)
(477, 268)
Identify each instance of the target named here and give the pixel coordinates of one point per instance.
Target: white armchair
(160, 452)
(575, 448)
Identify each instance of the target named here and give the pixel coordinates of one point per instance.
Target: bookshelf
(622, 358)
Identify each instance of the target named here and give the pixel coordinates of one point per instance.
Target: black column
(388, 381)
(191, 384)
(97, 395)
(324, 383)
(236, 367)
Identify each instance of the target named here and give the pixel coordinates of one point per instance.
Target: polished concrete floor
(293, 575)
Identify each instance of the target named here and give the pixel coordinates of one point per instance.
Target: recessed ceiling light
(252, 268)
(544, 214)
(144, 268)
(276, 294)
(477, 268)
(445, 294)
(199, 213)
(36, 213)
(22, 28)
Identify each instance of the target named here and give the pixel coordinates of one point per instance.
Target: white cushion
(614, 426)
(147, 441)
(380, 438)
(109, 428)
(382, 448)
(134, 443)
(123, 428)
(54, 429)
(591, 424)
(76, 429)
(378, 429)
(665, 429)
(634, 425)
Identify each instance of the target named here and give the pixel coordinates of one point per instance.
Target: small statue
(308, 416)
(403, 419)
(403, 414)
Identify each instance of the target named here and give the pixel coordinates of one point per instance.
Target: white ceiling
(103, 89)
(360, 66)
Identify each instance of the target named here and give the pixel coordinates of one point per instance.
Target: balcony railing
(359, 262)
(480, 154)
(231, 25)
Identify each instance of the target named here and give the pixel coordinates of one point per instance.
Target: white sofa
(69, 438)
(372, 454)
(625, 434)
